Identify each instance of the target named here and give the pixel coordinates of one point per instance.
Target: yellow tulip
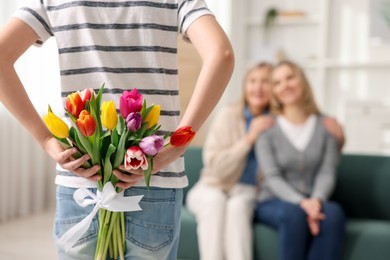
(109, 115)
(153, 116)
(56, 126)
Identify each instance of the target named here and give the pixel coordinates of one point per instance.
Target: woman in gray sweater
(298, 160)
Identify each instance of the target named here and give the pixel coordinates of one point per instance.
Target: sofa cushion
(367, 239)
(265, 242)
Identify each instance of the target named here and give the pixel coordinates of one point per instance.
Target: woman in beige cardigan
(223, 200)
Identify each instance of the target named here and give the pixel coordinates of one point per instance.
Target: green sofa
(363, 190)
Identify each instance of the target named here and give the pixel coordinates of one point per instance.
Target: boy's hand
(168, 155)
(65, 160)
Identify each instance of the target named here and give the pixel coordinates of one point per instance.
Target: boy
(124, 45)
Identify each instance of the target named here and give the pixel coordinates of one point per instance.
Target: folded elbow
(228, 58)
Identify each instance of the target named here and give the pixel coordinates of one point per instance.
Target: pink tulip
(86, 94)
(135, 159)
(130, 102)
(151, 145)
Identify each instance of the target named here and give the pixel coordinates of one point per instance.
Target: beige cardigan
(226, 149)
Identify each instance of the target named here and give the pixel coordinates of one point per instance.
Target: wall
(358, 82)
(348, 72)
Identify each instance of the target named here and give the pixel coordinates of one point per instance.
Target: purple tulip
(134, 121)
(151, 145)
(130, 102)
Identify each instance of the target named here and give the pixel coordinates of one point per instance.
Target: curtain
(26, 171)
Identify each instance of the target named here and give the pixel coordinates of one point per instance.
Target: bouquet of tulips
(113, 139)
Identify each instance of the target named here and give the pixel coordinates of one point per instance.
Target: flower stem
(114, 239)
(123, 229)
(110, 226)
(120, 241)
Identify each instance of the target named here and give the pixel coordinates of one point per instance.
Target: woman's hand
(258, 125)
(65, 160)
(168, 155)
(312, 207)
(335, 129)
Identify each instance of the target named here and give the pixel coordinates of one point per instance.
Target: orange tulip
(74, 104)
(86, 124)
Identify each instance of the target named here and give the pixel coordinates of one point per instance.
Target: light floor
(28, 238)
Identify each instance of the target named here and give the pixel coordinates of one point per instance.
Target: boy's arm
(15, 38)
(217, 56)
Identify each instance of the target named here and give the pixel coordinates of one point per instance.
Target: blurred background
(343, 45)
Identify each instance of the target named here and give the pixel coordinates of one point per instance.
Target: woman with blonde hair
(224, 199)
(298, 161)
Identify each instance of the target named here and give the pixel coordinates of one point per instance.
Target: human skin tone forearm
(217, 56)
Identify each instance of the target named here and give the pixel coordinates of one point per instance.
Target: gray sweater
(292, 175)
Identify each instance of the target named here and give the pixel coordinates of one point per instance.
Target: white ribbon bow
(107, 199)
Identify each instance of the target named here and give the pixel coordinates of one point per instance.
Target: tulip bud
(109, 115)
(56, 126)
(182, 136)
(86, 124)
(153, 116)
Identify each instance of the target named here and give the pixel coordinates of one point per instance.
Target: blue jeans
(152, 233)
(295, 240)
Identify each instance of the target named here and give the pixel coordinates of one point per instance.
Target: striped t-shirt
(124, 44)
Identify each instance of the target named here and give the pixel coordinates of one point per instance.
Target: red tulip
(182, 136)
(86, 123)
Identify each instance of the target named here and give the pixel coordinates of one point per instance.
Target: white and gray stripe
(120, 43)
(112, 5)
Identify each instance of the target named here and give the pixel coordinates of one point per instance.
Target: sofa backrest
(362, 188)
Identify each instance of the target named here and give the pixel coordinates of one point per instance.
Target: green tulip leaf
(141, 132)
(148, 173)
(120, 152)
(105, 142)
(121, 127)
(146, 112)
(107, 164)
(152, 130)
(115, 137)
(76, 141)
